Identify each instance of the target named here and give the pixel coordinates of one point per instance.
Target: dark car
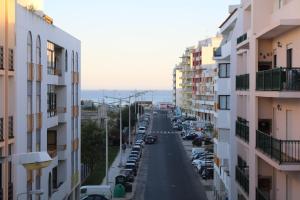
(136, 148)
(150, 140)
(128, 173)
(208, 173)
(133, 161)
(191, 136)
(137, 153)
(94, 197)
(131, 166)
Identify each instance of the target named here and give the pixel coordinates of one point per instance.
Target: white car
(204, 163)
(142, 130)
(104, 190)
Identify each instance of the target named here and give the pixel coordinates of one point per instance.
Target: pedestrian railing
(242, 82)
(283, 151)
(242, 178)
(278, 79)
(242, 129)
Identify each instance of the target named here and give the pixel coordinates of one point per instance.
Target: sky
(134, 44)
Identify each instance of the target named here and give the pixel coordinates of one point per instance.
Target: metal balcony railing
(1, 130)
(283, 151)
(242, 82)
(242, 178)
(242, 129)
(278, 79)
(260, 195)
(242, 38)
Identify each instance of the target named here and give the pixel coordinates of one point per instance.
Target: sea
(156, 96)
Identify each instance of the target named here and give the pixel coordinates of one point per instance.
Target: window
(38, 50)
(77, 63)
(11, 60)
(66, 61)
(1, 57)
(50, 58)
(51, 101)
(224, 70)
(29, 47)
(29, 97)
(29, 142)
(38, 140)
(73, 66)
(224, 102)
(289, 58)
(274, 59)
(38, 97)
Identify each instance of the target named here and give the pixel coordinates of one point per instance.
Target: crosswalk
(164, 132)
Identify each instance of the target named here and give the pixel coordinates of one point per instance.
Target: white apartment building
(186, 80)
(267, 110)
(40, 94)
(225, 57)
(177, 86)
(204, 80)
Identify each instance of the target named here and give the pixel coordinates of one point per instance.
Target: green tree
(92, 143)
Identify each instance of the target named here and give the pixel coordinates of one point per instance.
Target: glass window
(38, 50)
(50, 58)
(224, 70)
(29, 142)
(51, 100)
(77, 63)
(29, 47)
(289, 58)
(38, 140)
(224, 102)
(66, 61)
(38, 97)
(73, 66)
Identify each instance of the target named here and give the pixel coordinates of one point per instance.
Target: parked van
(104, 190)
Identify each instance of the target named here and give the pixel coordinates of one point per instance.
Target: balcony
(39, 120)
(260, 195)
(242, 179)
(242, 129)
(39, 72)
(30, 123)
(30, 75)
(242, 82)
(282, 151)
(278, 79)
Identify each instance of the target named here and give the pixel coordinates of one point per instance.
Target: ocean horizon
(155, 95)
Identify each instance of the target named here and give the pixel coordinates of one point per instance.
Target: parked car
(136, 148)
(94, 197)
(133, 157)
(121, 179)
(104, 190)
(208, 173)
(131, 166)
(150, 140)
(141, 130)
(137, 153)
(207, 163)
(128, 173)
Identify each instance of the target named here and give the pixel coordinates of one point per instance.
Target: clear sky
(134, 44)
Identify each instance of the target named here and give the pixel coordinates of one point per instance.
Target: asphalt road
(166, 168)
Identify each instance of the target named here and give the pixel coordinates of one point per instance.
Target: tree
(92, 143)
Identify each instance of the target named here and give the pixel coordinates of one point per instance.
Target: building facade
(177, 86)
(40, 93)
(267, 95)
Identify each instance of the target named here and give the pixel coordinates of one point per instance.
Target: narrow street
(166, 172)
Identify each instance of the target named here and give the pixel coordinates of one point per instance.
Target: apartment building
(204, 80)
(224, 140)
(39, 112)
(186, 80)
(267, 97)
(177, 86)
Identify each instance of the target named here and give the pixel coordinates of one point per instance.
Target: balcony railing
(242, 38)
(278, 79)
(242, 129)
(242, 178)
(283, 151)
(242, 82)
(260, 195)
